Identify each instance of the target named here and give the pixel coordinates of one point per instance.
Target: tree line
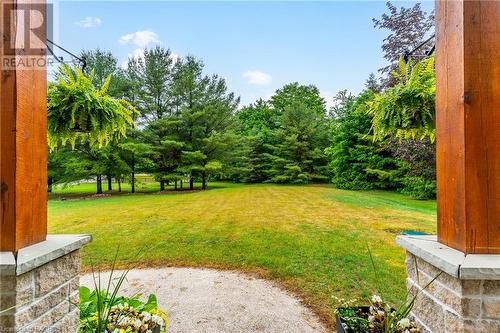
(186, 126)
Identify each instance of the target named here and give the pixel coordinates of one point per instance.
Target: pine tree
(373, 84)
(256, 124)
(206, 119)
(301, 138)
(356, 161)
(152, 93)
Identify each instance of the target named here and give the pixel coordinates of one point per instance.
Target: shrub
(418, 188)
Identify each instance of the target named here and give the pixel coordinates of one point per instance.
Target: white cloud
(175, 57)
(328, 96)
(140, 38)
(258, 78)
(89, 22)
(136, 54)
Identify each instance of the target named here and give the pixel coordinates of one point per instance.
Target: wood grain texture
(490, 121)
(7, 146)
(468, 124)
(23, 157)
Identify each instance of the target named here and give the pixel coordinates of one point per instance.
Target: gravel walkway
(209, 301)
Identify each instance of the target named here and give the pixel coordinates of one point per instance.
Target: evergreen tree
(136, 154)
(356, 161)
(151, 91)
(57, 171)
(256, 124)
(373, 84)
(153, 78)
(301, 138)
(294, 93)
(101, 64)
(206, 119)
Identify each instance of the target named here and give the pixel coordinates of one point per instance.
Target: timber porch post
(23, 138)
(465, 255)
(468, 125)
(39, 273)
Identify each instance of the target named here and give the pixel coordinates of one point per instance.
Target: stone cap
(7, 263)
(31, 257)
(451, 261)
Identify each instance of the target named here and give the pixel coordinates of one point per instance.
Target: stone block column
(465, 295)
(39, 289)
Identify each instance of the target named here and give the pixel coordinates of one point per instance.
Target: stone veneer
(41, 294)
(452, 303)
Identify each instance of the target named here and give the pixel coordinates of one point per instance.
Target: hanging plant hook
(410, 54)
(81, 60)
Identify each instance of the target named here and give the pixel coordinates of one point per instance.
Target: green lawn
(312, 239)
(144, 183)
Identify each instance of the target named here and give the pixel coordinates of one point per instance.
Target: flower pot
(363, 311)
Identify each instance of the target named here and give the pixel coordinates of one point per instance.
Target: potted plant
(379, 317)
(104, 311)
(100, 312)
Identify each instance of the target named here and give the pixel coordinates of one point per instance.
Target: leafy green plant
(103, 311)
(383, 319)
(77, 110)
(379, 317)
(407, 110)
(353, 318)
(100, 311)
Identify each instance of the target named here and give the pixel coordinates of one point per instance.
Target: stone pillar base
(465, 296)
(39, 290)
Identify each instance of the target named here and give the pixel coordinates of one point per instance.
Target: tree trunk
(175, 185)
(133, 176)
(162, 185)
(110, 182)
(119, 185)
(50, 184)
(191, 182)
(203, 181)
(99, 184)
(181, 183)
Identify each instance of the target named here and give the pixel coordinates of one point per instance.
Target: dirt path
(212, 301)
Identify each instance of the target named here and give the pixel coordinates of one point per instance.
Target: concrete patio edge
(451, 261)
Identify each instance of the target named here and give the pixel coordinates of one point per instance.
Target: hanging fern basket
(77, 110)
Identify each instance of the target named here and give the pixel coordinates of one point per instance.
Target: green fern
(407, 110)
(78, 111)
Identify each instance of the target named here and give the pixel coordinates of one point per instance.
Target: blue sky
(257, 46)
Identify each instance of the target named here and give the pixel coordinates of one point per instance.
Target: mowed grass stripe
(309, 238)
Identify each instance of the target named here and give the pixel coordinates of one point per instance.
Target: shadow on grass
(145, 190)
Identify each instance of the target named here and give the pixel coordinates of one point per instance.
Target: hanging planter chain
(81, 60)
(410, 54)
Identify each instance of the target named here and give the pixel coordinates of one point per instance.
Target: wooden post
(468, 124)
(23, 136)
